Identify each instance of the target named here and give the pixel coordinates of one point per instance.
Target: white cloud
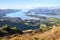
(25, 6)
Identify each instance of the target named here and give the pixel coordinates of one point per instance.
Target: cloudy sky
(19, 4)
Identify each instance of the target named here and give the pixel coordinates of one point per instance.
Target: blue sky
(19, 4)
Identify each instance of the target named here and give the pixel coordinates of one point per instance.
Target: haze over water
(22, 15)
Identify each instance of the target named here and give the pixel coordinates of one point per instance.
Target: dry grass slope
(53, 34)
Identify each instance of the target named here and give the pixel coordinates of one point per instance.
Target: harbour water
(22, 15)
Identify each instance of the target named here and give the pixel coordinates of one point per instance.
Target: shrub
(36, 31)
(14, 28)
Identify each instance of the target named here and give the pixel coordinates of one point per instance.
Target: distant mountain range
(44, 11)
(3, 12)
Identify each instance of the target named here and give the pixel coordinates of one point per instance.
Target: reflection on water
(57, 16)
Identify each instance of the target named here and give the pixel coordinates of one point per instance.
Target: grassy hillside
(53, 34)
(48, 29)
